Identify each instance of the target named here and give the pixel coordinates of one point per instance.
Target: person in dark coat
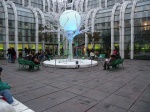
(13, 55)
(9, 50)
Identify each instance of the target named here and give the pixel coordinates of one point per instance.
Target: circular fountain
(70, 21)
(75, 63)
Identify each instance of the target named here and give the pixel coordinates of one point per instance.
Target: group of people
(5, 93)
(40, 55)
(11, 55)
(33, 58)
(112, 57)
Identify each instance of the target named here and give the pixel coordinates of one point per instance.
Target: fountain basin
(64, 63)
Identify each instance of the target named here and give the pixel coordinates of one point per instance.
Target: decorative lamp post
(70, 22)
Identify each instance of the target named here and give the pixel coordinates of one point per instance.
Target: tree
(46, 36)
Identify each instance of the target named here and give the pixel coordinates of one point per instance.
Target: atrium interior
(120, 24)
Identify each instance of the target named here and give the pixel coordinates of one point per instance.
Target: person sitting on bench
(4, 91)
(109, 61)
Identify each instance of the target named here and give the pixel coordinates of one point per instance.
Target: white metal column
(86, 26)
(36, 28)
(77, 5)
(73, 1)
(48, 5)
(16, 26)
(29, 2)
(6, 25)
(82, 6)
(93, 18)
(132, 29)
(106, 3)
(122, 15)
(43, 5)
(112, 26)
(86, 4)
(58, 37)
(43, 23)
(22, 2)
(100, 3)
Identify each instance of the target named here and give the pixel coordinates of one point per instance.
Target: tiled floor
(82, 90)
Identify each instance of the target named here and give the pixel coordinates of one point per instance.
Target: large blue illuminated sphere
(70, 20)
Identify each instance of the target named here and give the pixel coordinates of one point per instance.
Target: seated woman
(92, 55)
(4, 91)
(116, 54)
(109, 61)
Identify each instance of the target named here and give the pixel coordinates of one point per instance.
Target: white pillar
(16, 26)
(48, 2)
(86, 4)
(29, 2)
(100, 3)
(120, 32)
(132, 29)
(122, 16)
(105, 3)
(81, 5)
(22, 2)
(77, 5)
(86, 26)
(58, 37)
(6, 25)
(112, 26)
(43, 24)
(93, 18)
(43, 5)
(73, 1)
(36, 28)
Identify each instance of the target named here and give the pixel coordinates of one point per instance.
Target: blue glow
(70, 20)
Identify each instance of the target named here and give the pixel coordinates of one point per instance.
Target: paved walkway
(82, 90)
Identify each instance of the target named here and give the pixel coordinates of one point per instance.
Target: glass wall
(103, 30)
(102, 26)
(26, 29)
(142, 31)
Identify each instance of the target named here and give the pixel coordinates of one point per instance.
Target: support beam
(43, 23)
(112, 25)
(36, 28)
(132, 29)
(6, 26)
(16, 26)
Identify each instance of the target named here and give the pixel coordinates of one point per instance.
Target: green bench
(115, 64)
(101, 56)
(26, 63)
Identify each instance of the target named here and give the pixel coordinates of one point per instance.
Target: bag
(15, 57)
(36, 60)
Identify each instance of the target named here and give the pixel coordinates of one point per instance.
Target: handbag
(36, 60)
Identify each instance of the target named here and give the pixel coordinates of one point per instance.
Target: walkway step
(21, 107)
